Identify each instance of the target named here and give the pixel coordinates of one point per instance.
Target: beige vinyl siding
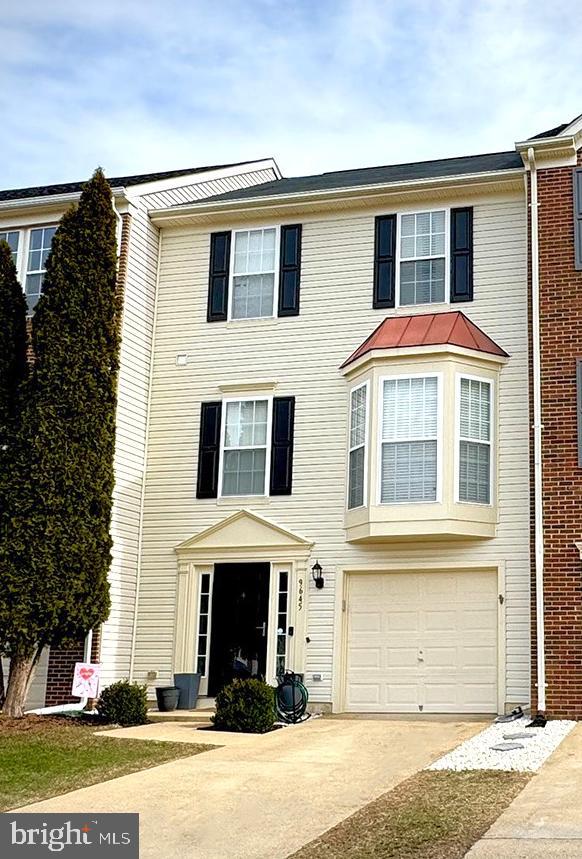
(302, 354)
(136, 341)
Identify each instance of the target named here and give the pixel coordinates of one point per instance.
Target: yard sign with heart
(86, 680)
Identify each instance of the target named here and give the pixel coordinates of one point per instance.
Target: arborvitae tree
(55, 564)
(13, 373)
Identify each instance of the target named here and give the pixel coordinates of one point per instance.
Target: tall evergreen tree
(58, 550)
(13, 373)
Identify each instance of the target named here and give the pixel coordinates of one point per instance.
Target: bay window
(245, 444)
(39, 246)
(409, 440)
(474, 433)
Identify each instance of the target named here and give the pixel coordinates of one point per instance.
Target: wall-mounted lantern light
(316, 572)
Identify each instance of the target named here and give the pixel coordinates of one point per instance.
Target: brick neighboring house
(28, 219)
(553, 160)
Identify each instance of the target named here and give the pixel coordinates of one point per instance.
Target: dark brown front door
(240, 611)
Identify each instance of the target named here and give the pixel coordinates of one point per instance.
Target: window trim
(231, 274)
(440, 412)
(366, 445)
(447, 255)
(268, 443)
(492, 440)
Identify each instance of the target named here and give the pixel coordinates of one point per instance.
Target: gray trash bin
(188, 685)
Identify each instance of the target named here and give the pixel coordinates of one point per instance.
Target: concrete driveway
(545, 820)
(263, 797)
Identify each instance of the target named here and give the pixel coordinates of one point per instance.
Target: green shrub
(124, 703)
(245, 706)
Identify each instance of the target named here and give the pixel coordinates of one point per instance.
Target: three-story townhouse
(337, 474)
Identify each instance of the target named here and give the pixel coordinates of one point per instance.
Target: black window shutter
(578, 217)
(462, 254)
(282, 445)
(384, 261)
(289, 270)
(209, 450)
(218, 279)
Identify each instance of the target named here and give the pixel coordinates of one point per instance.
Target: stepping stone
(519, 735)
(507, 747)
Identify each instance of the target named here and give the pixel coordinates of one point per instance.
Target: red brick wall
(561, 345)
(61, 668)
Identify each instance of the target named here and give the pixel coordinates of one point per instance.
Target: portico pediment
(241, 532)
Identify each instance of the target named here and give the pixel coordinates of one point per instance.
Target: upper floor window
(409, 439)
(254, 267)
(422, 258)
(12, 237)
(474, 430)
(357, 451)
(245, 446)
(39, 247)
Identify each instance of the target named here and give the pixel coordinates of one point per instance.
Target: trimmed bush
(124, 703)
(245, 706)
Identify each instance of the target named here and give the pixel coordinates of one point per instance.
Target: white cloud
(143, 85)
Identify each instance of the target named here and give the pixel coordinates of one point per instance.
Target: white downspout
(537, 428)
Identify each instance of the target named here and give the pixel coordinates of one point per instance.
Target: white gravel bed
(476, 753)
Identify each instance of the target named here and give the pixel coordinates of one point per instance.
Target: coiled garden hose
(291, 698)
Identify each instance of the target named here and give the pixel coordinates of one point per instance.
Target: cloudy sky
(137, 85)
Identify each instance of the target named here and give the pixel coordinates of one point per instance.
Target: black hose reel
(291, 698)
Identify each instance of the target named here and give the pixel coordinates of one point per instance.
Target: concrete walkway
(545, 820)
(263, 797)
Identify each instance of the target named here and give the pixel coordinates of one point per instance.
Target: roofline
(125, 191)
(388, 352)
(249, 203)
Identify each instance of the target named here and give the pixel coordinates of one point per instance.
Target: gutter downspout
(146, 444)
(79, 705)
(537, 428)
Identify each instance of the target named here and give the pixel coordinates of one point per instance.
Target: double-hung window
(409, 443)
(245, 447)
(12, 237)
(39, 246)
(474, 440)
(357, 446)
(423, 251)
(253, 273)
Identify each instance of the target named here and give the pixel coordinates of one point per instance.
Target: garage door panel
(430, 643)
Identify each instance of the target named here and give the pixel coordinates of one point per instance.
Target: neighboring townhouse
(554, 163)
(28, 220)
(338, 469)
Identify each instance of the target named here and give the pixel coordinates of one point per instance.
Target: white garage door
(422, 642)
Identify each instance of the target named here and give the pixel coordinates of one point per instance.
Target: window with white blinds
(254, 266)
(409, 441)
(475, 441)
(245, 445)
(357, 452)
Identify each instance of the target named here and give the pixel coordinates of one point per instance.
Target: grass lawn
(43, 756)
(433, 815)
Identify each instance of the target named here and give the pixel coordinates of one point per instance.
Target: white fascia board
(551, 151)
(250, 203)
(49, 201)
(204, 176)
